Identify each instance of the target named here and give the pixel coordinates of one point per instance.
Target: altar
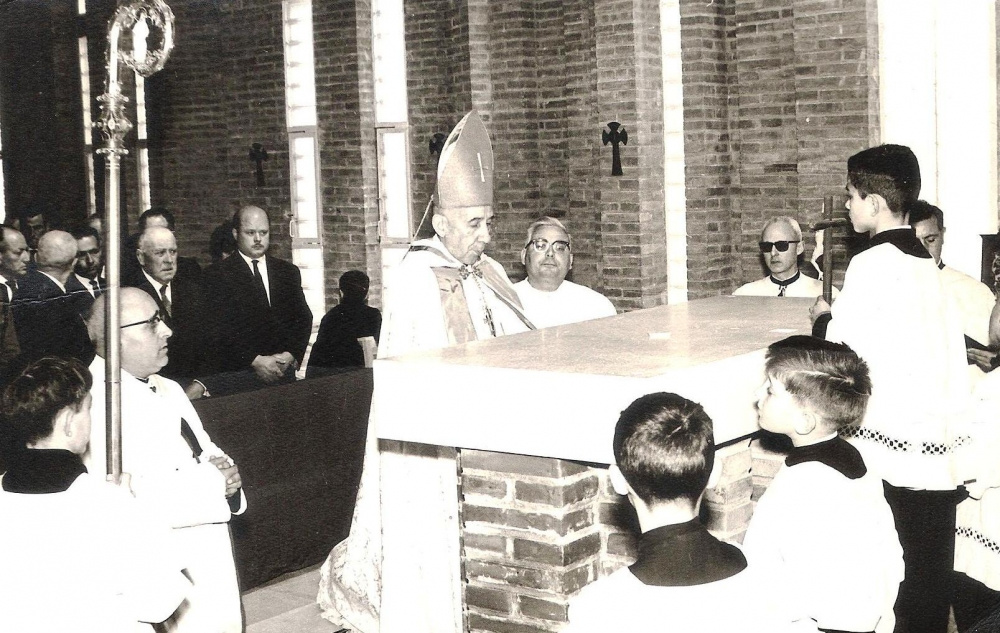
(528, 420)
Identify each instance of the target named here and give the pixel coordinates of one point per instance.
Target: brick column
(345, 108)
(630, 91)
(531, 539)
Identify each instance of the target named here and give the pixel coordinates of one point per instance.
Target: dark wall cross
(258, 155)
(616, 136)
(436, 144)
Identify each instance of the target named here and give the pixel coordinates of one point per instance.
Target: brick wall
(776, 96)
(221, 91)
(41, 126)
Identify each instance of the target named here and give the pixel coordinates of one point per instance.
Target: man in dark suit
(261, 322)
(46, 315)
(188, 267)
(85, 283)
(179, 300)
(14, 258)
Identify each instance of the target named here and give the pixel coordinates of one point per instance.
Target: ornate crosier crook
(139, 20)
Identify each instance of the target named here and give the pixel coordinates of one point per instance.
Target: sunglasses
(781, 245)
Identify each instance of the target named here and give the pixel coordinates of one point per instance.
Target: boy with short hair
(893, 311)
(823, 533)
(78, 553)
(684, 578)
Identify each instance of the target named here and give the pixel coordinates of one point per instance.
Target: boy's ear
(618, 480)
(64, 422)
(877, 202)
(807, 421)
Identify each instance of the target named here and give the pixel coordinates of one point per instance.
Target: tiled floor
(286, 605)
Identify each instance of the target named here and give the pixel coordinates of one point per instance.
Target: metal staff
(114, 126)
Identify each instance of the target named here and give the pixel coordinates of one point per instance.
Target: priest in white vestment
(548, 298)
(176, 468)
(445, 291)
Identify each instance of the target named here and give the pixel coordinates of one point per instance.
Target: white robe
(188, 495)
(621, 602)
(569, 303)
(413, 318)
(828, 545)
(804, 286)
(893, 311)
(368, 583)
(977, 542)
(974, 301)
(88, 560)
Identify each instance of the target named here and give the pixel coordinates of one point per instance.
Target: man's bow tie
(474, 269)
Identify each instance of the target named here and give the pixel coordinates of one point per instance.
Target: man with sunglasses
(780, 247)
(548, 298)
(176, 468)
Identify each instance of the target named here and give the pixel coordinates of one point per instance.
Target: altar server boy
(78, 554)
(823, 533)
(684, 578)
(893, 311)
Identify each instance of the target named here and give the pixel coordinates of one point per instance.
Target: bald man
(47, 316)
(175, 466)
(260, 320)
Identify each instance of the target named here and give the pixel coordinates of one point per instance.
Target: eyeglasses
(781, 245)
(540, 245)
(152, 322)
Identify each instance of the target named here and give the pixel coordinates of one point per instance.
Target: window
(303, 151)
(141, 146)
(391, 116)
(88, 137)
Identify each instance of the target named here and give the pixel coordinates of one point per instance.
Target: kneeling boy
(684, 579)
(823, 534)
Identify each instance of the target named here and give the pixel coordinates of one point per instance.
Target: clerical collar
(836, 452)
(903, 238)
(37, 471)
(786, 282)
(685, 554)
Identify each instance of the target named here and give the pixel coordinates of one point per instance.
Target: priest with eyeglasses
(549, 299)
(780, 248)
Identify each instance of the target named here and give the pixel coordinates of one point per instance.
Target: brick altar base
(536, 530)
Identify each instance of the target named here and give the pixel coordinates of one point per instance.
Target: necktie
(259, 280)
(165, 300)
(96, 289)
(5, 293)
